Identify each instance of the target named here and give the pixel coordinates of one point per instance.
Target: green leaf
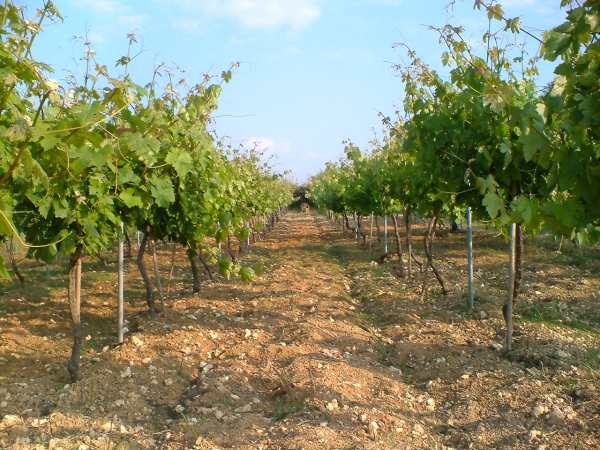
(129, 197)
(181, 161)
(162, 190)
(525, 208)
(246, 273)
(35, 172)
(555, 43)
(505, 148)
(495, 11)
(61, 208)
(493, 204)
(4, 275)
(226, 76)
(225, 267)
(532, 142)
(487, 184)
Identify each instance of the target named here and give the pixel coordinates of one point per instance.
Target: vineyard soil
(325, 350)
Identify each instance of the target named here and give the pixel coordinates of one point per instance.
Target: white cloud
(119, 12)
(261, 144)
(269, 14)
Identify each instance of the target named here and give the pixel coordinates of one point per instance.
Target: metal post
(471, 290)
(120, 280)
(508, 306)
(385, 234)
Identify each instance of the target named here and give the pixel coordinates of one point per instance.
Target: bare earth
(325, 350)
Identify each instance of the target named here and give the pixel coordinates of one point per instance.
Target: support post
(470, 286)
(508, 306)
(385, 235)
(120, 279)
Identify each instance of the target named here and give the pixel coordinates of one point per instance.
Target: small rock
(147, 360)
(219, 414)
(430, 404)
(556, 416)
(534, 435)
(539, 410)
(483, 315)
(126, 373)
(561, 354)
(36, 423)
(119, 403)
(364, 418)
(135, 340)
(496, 346)
(168, 382)
(323, 424)
(418, 429)
(332, 405)
(10, 420)
(244, 409)
(373, 429)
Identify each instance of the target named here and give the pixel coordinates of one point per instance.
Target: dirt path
(323, 351)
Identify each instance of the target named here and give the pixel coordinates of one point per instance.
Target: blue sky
(313, 72)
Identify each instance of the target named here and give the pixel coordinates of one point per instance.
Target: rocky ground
(326, 350)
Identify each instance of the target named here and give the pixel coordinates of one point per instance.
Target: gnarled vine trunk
(230, 250)
(144, 272)
(161, 295)
(191, 254)
(398, 246)
(346, 221)
(428, 245)
(411, 256)
(206, 267)
(13, 261)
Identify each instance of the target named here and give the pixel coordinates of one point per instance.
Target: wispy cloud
(256, 14)
(118, 11)
(261, 144)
